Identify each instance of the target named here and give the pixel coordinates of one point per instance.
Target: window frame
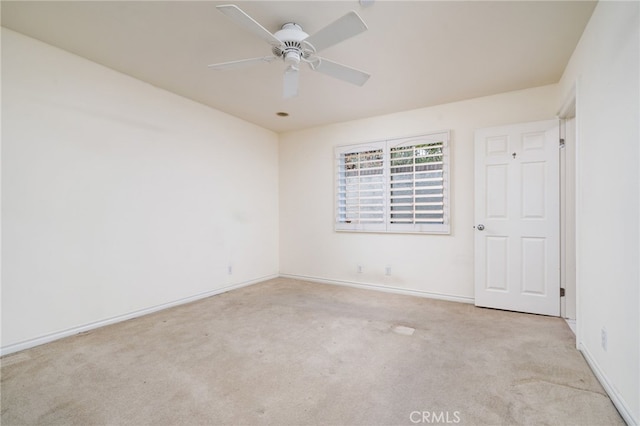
(386, 225)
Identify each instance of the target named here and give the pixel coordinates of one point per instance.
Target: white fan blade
(342, 72)
(248, 23)
(291, 77)
(348, 26)
(232, 65)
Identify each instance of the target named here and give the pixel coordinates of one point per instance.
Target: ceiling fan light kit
(293, 45)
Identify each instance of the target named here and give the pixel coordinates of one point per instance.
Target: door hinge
(561, 292)
(561, 142)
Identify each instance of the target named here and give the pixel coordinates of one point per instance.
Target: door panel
(496, 198)
(533, 190)
(533, 266)
(517, 202)
(497, 263)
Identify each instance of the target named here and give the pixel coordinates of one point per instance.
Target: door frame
(569, 110)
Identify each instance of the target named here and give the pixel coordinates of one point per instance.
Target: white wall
(434, 265)
(118, 197)
(605, 70)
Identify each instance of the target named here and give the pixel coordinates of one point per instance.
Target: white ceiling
(419, 53)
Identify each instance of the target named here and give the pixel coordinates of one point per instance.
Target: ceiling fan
(293, 46)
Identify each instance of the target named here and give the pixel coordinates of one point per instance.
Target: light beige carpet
(287, 352)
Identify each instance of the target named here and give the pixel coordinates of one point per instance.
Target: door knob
(480, 227)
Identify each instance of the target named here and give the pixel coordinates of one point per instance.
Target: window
(394, 186)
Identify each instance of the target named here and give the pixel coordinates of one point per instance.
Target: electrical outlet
(230, 269)
(387, 270)
(603, 338)
(359, 269)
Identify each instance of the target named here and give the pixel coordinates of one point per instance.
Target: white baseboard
(616, 398)
(383, 288)
(16, 347)
(572, 325)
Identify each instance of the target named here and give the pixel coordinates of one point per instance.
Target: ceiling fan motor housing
(291, 50)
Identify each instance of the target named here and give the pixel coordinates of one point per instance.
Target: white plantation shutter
(394, 186)
(361, 188)
(417, 185)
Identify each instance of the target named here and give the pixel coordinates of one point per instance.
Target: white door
(517, 253)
